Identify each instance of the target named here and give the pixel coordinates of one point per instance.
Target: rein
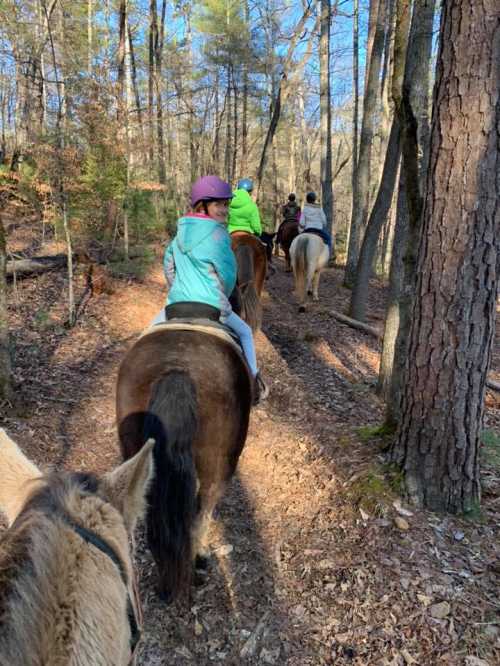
(98, 542)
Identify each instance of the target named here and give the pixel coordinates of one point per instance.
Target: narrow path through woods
(309, 565)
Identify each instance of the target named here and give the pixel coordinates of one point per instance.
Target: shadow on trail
(317, 349)
(237, 603)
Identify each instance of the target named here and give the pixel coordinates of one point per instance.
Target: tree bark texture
(458, 267)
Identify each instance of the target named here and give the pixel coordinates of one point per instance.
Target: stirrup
(261, 389)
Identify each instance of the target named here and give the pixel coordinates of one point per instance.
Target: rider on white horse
(313, 217)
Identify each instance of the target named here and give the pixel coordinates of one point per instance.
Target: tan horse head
(66, 592)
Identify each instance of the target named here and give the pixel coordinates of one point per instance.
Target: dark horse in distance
(251, 256)
(189, 390)
(286, 233)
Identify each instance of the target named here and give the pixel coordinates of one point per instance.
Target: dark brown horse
(191, 392)
(286, 233)
(252, 267)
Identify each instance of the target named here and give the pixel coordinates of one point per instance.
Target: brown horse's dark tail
(172, 422)
(251, 310)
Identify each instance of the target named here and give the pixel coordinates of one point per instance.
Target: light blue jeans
(244, 332)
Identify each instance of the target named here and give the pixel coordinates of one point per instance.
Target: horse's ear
(16, 472)
(128, 484)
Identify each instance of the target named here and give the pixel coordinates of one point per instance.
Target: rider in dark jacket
(291, 210)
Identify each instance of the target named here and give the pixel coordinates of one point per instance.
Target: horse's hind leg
(288, 263)
(311, 283)
(315, 285)
(206, 506)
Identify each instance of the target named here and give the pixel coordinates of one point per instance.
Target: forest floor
(315, 560)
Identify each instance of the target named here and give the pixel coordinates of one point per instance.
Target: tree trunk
(389, 377)
(357, 308)
(151, 76)
(122, 39)
(227, 151)
(367, 131)
(386, 189)
(355, 112)
(5, 361)
(269, 136)
(235, 126)
(372, 26)
(453, 319)
(325, 113)
(158, 50)
(137, 97)
(415, 140)
(89, 37)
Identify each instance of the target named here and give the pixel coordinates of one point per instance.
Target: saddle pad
(187, 326)
(243, 234)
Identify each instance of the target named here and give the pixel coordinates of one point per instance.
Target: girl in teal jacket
(200, 265)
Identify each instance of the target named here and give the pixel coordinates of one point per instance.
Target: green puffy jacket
(244, 214)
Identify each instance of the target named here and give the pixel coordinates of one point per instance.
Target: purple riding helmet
(208, 188)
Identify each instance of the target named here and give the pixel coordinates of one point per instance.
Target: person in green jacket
(243, 211)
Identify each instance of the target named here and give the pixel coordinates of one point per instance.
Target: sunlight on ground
(363, 359)
(324, 353)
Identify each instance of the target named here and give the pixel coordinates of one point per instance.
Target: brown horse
(286, 233)
(251, 256)
(66, 591)
(189, 390)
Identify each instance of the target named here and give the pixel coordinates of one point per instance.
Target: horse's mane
(31, 559)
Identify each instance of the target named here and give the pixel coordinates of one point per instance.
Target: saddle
(193, 316)
(246, 234)
(318, 232)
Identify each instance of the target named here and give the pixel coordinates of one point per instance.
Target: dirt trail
(309, 566)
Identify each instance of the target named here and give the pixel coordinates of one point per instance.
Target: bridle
(134, 619)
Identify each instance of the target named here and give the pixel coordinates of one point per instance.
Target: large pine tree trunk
(458, 268)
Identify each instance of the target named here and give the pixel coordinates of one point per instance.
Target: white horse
(309, 255)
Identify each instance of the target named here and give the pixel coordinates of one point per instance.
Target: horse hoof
(201, 562)
(302, 308)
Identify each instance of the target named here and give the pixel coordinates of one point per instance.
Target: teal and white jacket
(199, 263)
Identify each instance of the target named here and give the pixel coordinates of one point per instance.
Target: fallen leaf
(400, 509)
(440, 610)
(407, 657)
(401, 523)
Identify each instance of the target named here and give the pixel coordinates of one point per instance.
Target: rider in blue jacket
(200, 265)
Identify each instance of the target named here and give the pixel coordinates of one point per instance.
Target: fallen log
(21, 267)
(354, 323)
